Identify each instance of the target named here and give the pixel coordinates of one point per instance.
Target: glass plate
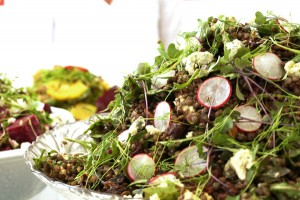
(56, 140)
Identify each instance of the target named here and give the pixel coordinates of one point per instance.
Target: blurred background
(110, 40)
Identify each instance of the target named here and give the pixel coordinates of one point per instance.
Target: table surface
(48, 194)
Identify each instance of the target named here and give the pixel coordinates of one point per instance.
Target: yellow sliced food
(83, 111)
(62, 91)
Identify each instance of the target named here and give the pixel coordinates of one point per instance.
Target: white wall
(37, 34)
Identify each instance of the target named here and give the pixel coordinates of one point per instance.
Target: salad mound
(73, 88)
(216, 117)
(22, 118)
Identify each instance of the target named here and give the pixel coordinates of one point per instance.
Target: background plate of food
(22, 119)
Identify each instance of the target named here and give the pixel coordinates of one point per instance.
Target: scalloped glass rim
(56, 140)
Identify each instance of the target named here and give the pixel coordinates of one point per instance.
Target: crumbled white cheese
(127, 196)
(11, 120)
(138, 124)
(13, 143)
(154, 197)
(161, 181)
(292, 68)
(178, 100)
(197, 59)
(133, 129)
(189, 134)
(233, 46)
(188, 195)
(152, 130)
(187, 109)
(21, 123)
(138, 196)
(240, 162)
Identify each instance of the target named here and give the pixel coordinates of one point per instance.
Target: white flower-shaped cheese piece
(292, 68)
(240, 162)
(198, 59)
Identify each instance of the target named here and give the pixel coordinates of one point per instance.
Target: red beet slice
(25, 129)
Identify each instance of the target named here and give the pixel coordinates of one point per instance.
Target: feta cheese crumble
(292, 68)
(152, 130)
(240, 162)
(233, 46)
(138, 124)
(198, 59)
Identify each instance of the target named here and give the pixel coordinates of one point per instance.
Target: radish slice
(252, 114)
(122, 137)
(189, 163)
(162, 177)
(214, 92)
(141, 166)
(162, 116)
(269, 65)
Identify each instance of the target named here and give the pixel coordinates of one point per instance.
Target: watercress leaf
(228, 125)
(242, 52)
(238, 92)
(293, 152)
(163, 53)
(233, 197)
(226, 69)
(241, 63)
(173, 52)
(189, 34)
(260, 18)
(143, 68)
(200, 149)
(296, 58)
(277, 172)
(286, 191)
(220, 139)
(171, 193)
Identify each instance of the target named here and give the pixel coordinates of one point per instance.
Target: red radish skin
(268, 65)
(250, 113)
(279, 24)
(214, 92)
(141, 166)
(162, 116)
(156, 180)
(189, 163)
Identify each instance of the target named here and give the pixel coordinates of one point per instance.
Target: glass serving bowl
(56, 140)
